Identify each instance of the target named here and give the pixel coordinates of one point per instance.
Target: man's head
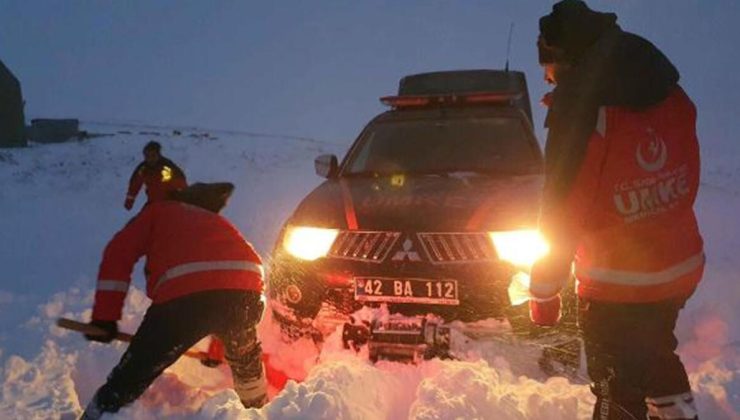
(152, 152)
(211, 196)
(567, 33)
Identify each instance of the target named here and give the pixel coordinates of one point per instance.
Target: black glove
(110, 328)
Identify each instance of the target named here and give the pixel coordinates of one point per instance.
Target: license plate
(406, 290)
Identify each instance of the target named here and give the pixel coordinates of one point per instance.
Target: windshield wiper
(477, 171)
(444, 172)
(361, 174)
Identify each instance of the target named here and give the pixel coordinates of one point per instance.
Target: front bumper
(323, 291)
(317, 298)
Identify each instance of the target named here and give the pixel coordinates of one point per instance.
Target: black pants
(631, 359)
(171, 328)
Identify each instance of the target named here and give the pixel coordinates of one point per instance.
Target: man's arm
(562, 222)
(119, 258)
(134, 186)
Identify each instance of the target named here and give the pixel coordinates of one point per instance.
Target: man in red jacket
(203, 278)
(159, 174)
(622, 173)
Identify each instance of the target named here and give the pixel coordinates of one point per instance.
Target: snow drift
(61, 203)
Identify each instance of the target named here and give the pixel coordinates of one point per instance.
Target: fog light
(293, 294)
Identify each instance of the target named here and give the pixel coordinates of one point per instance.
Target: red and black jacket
(188, 250)
(630, 208)
(622, 176)
(160, 179)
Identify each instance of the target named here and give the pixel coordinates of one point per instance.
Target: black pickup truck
(427, 219)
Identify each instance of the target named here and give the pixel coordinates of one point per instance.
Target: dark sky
(317, 68)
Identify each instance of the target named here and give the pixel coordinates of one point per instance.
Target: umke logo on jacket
(657, 153)
(655, 192)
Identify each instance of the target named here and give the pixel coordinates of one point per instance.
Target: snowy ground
(61, 203)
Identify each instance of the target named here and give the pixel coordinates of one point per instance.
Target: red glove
(545, 312)
(128, 203)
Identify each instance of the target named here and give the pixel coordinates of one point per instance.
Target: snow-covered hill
(59, 204)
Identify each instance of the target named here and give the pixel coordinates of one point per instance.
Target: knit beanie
(571, 28)
(212, 197)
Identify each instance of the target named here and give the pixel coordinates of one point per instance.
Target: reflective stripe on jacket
(188, 250)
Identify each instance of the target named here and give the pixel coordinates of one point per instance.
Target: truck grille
(457, 247)
(363, 246)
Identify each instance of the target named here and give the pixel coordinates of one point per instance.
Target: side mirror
(326, 166)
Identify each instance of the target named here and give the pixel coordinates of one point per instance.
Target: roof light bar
(409, 101)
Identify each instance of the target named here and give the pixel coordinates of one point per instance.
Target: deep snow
(61, 203)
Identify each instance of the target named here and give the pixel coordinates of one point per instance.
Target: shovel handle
(89, 329)
(85, 328)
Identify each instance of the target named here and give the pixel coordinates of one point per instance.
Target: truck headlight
(520, 247)
(308, 243)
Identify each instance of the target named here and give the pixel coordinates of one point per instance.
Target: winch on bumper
(398, 338)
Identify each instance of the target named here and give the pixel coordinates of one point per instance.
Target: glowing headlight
(520, 247)
(308, 243)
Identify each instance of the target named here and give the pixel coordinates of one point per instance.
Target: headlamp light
(308, 243)
(520, 247)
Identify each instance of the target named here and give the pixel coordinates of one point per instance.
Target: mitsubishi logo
(657, 153)
(407, 252)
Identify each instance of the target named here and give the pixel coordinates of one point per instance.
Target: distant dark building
(12, 121)
(53, 130)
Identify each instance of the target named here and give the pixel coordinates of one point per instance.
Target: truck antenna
(508, 46)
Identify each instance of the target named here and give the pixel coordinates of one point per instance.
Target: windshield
(492, 145)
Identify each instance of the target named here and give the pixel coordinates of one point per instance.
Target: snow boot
(252, 393)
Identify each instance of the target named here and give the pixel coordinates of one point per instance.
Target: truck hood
(456, 202)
